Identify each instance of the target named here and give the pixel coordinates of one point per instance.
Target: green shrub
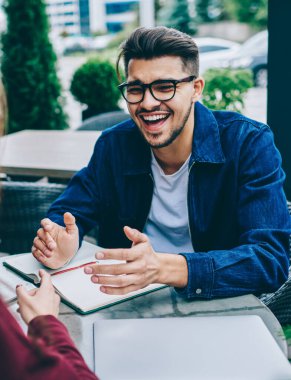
(225, 89)
(29, 69)
(95, 84)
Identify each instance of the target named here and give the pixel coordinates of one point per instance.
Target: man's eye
(164, 87)
(134, 90)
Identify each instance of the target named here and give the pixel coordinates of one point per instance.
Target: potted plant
(225, 89)
(95, 84)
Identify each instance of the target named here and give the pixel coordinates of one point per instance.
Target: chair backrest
(22, 206)
(103, 121)
(279, 302)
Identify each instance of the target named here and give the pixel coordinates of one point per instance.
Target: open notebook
(72, 284)
(8, 281)
(189, 348)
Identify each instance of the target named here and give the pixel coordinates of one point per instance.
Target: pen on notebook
(73, 268)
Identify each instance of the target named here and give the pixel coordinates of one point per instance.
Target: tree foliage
(202, 9)
(254, 12)
(209, 10)
(157, 7)
(178, 14)
(225, 89)
(28, 69)
(95, 84)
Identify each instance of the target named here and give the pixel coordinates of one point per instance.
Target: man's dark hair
(150, 43)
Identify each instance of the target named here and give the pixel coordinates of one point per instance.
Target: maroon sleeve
(47, 354)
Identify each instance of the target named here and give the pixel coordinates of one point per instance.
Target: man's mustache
(154, 109)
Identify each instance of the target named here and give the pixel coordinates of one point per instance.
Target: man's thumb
(135, 235)
(70, 223)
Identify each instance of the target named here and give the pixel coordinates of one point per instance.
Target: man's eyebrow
(137, 81)
(132, 82)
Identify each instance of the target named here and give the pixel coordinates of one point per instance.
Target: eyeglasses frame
(149, 86)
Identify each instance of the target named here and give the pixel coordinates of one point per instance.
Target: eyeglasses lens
(161, 91)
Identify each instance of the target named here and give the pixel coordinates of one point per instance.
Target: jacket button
(198, 291)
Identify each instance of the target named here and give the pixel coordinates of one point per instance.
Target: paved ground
(67, 67)
(256, 102)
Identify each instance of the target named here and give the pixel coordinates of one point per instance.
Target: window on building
(114, 27)
(127, 6)
(84, 17)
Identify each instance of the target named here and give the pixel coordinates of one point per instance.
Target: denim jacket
(238, 219)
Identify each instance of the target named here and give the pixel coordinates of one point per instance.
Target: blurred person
(201, 190)
(48, 351)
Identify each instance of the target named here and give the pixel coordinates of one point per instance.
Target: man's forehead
(159, 67)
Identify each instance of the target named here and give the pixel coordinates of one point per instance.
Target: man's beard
(175, 133)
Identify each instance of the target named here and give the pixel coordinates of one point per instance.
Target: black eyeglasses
(161, 90)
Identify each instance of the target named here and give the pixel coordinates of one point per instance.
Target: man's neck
(172, 157)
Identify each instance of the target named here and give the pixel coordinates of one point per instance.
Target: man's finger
(113, 270)
(123, 254)
(70, 223)
(118, 291)
(135, 235)
(38, 255)
(46, 238)
(47, 224)
(41, 246)
(116, 281)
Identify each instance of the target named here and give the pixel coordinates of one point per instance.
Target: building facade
(84, 17)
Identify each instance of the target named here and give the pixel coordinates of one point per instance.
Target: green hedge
(28, 67)
(225, 89)
(95, 84)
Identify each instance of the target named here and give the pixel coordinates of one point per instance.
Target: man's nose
(149, 101)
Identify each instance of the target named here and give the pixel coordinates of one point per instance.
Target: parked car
(215, 51)
(82, 44)
(76, 44)
(253, 55)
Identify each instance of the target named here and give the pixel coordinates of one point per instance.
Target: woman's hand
(41, 301)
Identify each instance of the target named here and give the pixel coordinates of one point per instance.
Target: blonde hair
(3, 108)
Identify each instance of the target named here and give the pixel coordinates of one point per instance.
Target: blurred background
(231, 34)
(57, 63)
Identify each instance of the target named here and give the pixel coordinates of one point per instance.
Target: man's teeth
(154, 117)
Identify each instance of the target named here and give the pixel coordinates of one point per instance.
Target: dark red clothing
(47, 354)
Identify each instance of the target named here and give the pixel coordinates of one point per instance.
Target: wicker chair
(280, 301)
(103, 121)
(22, 206)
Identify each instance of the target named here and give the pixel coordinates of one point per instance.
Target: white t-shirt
(167, 225)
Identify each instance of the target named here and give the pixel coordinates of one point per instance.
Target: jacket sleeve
(85, 196)
(260, 261)
(48, 354)
(58, 348)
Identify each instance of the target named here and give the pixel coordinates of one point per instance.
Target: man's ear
(198, 89)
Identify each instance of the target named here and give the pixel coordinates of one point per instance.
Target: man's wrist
(173, 270)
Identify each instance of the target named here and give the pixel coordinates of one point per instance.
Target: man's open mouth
(154, 119)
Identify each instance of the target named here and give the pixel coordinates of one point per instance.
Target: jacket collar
(206, 147)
